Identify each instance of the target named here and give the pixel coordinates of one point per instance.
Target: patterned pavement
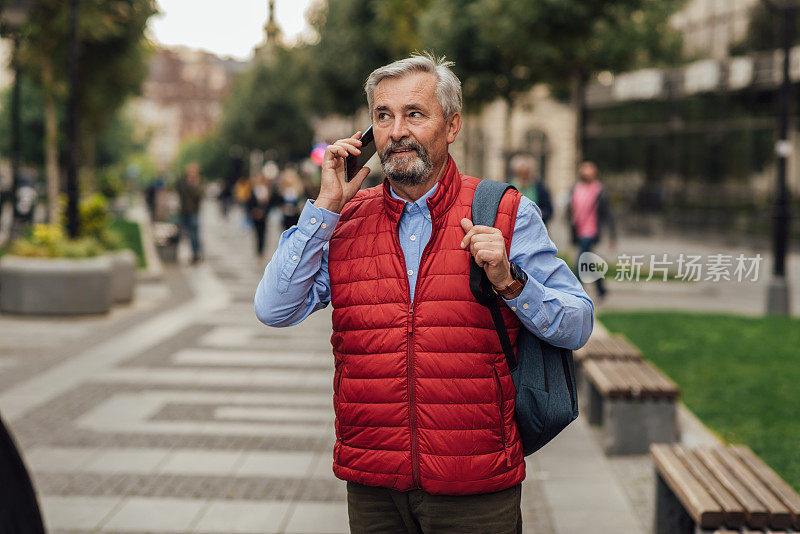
(184, 414)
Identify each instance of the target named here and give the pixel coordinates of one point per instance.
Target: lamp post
(13, 17)
(778, 291)
(72, 124)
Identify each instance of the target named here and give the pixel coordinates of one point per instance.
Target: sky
(224, 27)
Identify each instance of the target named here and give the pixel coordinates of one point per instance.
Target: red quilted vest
(422, 393)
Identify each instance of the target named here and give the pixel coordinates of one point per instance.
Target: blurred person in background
(588, 211)
(525, 177)
(262, 198)
(190, 195)
(290, 194)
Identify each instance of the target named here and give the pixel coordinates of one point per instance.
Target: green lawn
(131, 238)
(739, 375)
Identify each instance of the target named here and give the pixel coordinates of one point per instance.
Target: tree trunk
(51, 143)
(578, 98)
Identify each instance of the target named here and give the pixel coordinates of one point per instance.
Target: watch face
(516, 273)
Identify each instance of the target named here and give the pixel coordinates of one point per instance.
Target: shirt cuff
(317, 222)
(529, 302)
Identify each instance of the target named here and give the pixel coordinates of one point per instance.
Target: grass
(739, 375)
(131, 236)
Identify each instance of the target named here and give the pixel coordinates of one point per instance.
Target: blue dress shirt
(553, 304)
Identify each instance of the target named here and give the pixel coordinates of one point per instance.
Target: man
(190, 194)
(588, 212)
(524, 169)
(425, 431)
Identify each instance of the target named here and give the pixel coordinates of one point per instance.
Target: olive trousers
(375, 510)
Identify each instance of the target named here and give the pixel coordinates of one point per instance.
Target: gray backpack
(543, 374)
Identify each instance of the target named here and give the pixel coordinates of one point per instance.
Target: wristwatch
(518, 282)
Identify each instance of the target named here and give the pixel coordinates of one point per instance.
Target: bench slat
(779, 515)
(771, 480)
(701, 506)
(603, 384)
(650, 384)
(667, 386)
(734, 513)
(757, 515)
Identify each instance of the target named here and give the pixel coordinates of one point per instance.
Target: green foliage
(210, 152)
(112, 51)
(268, 108)
(739, 375)
(765, 31)
(347, 51)
(130, 237)
(31, 122)
(49, 241)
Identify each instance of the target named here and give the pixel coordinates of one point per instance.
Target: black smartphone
(353, 164)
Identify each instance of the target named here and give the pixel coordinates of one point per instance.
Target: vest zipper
(414, 446)
(500, 406)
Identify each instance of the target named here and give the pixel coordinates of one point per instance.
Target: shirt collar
(422, 201)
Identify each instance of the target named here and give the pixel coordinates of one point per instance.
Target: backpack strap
(485, 203)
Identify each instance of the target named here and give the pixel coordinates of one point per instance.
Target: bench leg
(593, 401)
(670, 516)
(630, 426)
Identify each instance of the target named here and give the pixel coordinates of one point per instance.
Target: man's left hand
(489, 250)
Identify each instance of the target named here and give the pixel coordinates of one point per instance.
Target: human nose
(399, 129)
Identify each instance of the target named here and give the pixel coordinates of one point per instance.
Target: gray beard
(397, 169)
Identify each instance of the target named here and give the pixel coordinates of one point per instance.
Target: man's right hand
(335, 191)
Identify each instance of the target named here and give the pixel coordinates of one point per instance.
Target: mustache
(403, 143)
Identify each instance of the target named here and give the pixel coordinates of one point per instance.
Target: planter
(55, 286)
(123, 275)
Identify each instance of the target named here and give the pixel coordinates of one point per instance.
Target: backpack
(544, 376)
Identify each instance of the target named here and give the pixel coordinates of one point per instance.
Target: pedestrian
(258, 205)
(525, 176)
(190, 194)
(588, 211)
(425, 431)
(290, 193)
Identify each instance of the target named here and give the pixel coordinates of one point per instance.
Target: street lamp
(13, 16)
(72, 123)
(778, 292)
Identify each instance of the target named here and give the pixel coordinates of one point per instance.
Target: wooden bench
(615, 347)
(634, 403)
(598, 347)
(708, 489)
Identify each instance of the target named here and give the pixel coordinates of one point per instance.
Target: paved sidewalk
(196, 418)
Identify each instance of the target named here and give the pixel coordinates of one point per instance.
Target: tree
(503, 47)
(113, 66)
(268, 107)
(347, 51)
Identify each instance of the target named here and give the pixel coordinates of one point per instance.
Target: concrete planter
(55, 286)
(123, 275)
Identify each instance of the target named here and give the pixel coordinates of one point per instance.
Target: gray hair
(448, 86)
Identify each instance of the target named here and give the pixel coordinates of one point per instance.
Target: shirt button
(294, 257)
(413, 238)
(324, 225)
(313, 220)
(544, 329)
(513, 308)
(525, 306)
(410, 272)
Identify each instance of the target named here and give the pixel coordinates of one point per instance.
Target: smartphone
(352, 163)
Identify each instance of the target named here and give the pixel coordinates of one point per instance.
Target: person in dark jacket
(589, 211)
(190, 194)
(258, 205)
(524, 169)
